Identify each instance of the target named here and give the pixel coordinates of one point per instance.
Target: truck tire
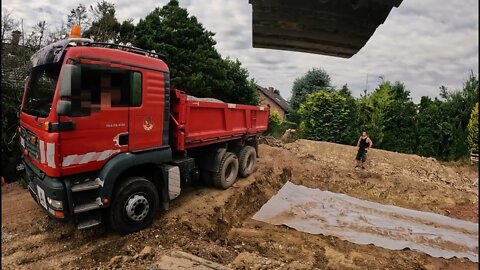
(227, 173)
(246, 159)
(134, 206)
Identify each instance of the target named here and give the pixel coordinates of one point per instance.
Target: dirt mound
(270, 140)
(216, 225)
(404, 180)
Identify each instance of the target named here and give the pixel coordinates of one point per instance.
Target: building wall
(265, 101)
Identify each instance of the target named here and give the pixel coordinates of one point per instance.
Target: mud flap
(254, 143)
(161, 177)
(174, 188)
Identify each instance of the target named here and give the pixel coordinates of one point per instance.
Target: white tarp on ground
(363, 222)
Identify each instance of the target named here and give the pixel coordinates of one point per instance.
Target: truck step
(87, 206)
(87, 185)
(88, 223)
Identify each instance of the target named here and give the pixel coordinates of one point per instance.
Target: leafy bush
(276, 127)
(473, 129)
(327, 116)
(274, 124)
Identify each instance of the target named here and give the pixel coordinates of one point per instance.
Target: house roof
(275, 97)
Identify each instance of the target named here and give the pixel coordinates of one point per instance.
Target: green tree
(352, 132)
(127, 32)
(429, 134)
(388, 116)
(370, 112)
(78, 16)
(14, 72)
(460, 103)
(459, 145)
(105, 27)
(398, 121)
(242, 89)
(443, 91)
(456, 107)
(345, 91)
(327, 116)
(37, 37)
(440, 134)
(365, 120)
(473, 129)
(195, 65)
(314, 80)
(8, 23)
(471, 94)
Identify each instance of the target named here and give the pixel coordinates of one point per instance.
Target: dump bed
(198, 122)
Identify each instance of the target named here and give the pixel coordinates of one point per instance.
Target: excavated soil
(216, 225)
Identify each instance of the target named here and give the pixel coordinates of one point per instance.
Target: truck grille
(31, 146)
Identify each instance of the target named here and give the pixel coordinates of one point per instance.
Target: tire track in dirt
(14, 196)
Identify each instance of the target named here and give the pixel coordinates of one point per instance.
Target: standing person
(363, 145)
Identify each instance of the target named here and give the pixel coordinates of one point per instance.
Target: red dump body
(196, 122)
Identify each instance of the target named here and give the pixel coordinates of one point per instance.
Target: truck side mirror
(64, 107)
(69, 83)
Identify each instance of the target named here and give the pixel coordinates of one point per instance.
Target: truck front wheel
(247, 158)
(134, 206)
(227, 173)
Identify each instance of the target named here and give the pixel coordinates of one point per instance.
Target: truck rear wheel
(134, 206)
(227, 173)
(246, 159)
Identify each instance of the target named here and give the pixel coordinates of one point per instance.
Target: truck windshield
(40, 90)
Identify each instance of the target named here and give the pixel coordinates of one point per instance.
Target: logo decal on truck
(148, 123)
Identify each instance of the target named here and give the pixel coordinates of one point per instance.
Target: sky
(422, 43)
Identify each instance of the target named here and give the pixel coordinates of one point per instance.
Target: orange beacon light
(75, 32)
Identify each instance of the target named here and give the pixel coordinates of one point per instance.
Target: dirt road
(216, 225)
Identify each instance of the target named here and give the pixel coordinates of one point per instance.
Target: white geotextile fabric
(363, 222)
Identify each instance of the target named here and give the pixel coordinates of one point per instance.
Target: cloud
(424, 44)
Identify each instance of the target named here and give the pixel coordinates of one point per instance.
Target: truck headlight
(55, 203)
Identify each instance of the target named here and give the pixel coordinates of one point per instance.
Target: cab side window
(105, 87)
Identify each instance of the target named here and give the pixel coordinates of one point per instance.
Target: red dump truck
(105, 138)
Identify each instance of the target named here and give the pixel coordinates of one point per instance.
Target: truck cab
(95, 124)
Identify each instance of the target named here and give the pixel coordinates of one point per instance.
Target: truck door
(101, 122)
(148, 128)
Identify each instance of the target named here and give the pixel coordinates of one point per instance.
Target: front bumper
(42, 187)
